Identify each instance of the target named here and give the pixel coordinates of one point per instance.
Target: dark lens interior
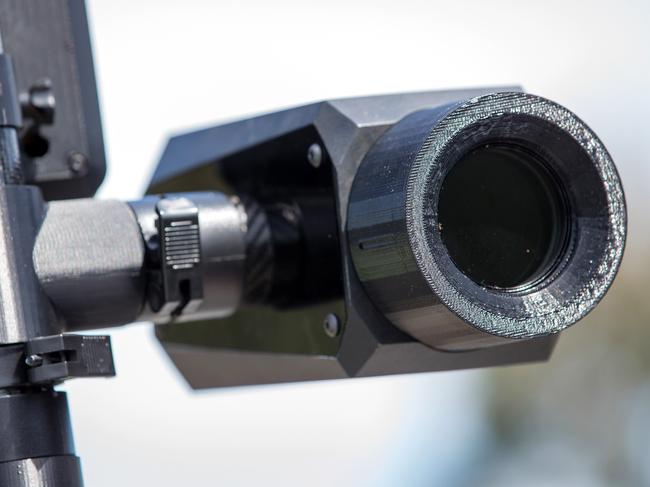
(502, 216)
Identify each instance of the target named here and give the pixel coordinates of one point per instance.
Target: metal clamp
(51, 359)
(59, 357)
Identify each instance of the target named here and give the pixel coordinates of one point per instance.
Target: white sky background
(165, 67)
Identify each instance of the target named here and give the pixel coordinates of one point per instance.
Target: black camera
(348, 238)
(398, 229)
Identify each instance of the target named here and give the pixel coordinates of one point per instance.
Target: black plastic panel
(50, 39)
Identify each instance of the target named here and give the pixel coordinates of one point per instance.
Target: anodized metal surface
(25, 311)
(51, 471)
(222, 227)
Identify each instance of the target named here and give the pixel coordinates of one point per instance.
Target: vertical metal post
(36, 447)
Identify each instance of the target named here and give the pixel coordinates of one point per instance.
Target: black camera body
(301, 155)
(348, 238)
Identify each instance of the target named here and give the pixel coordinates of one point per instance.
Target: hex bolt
(315, 155)
(34, 360)
(78, 163)
(332, 325)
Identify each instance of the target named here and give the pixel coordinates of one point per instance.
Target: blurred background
(582, 419)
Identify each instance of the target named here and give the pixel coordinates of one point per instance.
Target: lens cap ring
(598, 214)
(396, 245)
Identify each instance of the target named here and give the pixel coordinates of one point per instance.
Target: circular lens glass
(502, 217)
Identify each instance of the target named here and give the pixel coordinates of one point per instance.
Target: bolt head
(78, 163)
(34, 360)
(315, 155)
(332, 325)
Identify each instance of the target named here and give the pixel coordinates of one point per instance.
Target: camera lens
(494, 219)
(502, 217)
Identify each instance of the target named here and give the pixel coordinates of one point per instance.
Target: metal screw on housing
(38, 103)
(332, 325)
(34, 360)
(78, 163)
(315, 155)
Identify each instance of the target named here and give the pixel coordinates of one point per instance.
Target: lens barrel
(487, 220)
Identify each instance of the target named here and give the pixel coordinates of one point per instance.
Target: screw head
(315, 155)
(34, 360)
(332, 325)
(78, 163)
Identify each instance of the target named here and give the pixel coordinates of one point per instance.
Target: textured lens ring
(544, 316)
